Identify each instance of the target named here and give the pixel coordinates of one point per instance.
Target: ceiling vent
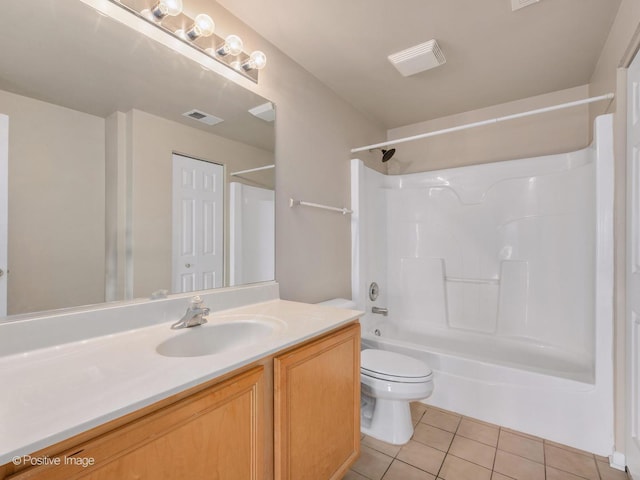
(206, 118)
(518, 4)
(418, 59)
(264, 112)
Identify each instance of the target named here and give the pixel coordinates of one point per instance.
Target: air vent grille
(418, 58)
(203, 117)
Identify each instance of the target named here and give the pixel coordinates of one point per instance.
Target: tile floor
(447, 446)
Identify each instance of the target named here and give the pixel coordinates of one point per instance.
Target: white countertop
(54, 393)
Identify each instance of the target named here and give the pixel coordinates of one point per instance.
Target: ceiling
(493, 55)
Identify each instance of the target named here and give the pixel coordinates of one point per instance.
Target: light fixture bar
(196, 33)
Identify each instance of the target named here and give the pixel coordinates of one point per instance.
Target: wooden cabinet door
(216, 434)
(317, 408)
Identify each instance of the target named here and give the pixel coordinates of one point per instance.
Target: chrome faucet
(380, 310)
(194, 315)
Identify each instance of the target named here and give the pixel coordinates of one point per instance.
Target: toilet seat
(393, 367)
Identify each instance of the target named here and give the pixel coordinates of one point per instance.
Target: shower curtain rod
(608, 96)
(267, 167)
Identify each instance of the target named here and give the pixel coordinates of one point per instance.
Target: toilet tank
(339, 303)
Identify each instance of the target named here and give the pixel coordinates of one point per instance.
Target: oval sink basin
(218, 337)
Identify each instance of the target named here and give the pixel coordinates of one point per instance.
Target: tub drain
(376, 332)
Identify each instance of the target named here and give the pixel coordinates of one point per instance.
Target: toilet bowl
(389, 381)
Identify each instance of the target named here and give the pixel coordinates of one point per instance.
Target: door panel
(633, 270)
(198, 219)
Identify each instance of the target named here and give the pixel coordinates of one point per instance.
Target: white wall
(315, 130)
(549, 133)
(56, 205)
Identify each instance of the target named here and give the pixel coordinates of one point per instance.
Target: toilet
(389, 381)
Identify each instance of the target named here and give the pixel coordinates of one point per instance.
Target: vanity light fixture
(232, 46)
(203, 26)
(168, 16)
(256, 61)
(165, 8)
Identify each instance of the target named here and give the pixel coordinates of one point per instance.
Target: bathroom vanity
(289, 412)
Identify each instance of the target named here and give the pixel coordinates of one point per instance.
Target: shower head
(386, 154)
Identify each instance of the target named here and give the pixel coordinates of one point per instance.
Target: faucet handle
(196, 302)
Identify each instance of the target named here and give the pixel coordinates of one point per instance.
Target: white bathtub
(499, 277)
(480, 378)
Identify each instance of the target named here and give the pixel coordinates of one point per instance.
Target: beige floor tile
(438, 418)
(499, 476)
(351, 475)
(402, 471)
(518, 467)
(522, 434)
(473, 451)
(479, 432)
(523, 446)
(372, 464)
(608, 473)
(422, 456)
(482, 422)
(555, 474)
(455, 468)
(567, 447)
(432, 436)
(379, 445)
(601, 459)
(417, 410)
(571, 461)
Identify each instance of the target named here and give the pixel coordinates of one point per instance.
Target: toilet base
(390, 422)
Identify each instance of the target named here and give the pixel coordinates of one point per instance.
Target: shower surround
(500, 277)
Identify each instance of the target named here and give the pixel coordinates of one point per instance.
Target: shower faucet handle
(380, 310)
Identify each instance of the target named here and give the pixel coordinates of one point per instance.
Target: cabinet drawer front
(317, 407)
(214, 434)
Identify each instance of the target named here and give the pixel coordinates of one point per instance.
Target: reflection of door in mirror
(197, 225)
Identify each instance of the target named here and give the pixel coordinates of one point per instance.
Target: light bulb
(257, 60)
(166, 7)
(203, 26)
(232, 46)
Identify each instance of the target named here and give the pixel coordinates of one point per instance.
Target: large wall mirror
(113, 192)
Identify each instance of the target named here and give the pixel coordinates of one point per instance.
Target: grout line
(448, 449)
(493, 467)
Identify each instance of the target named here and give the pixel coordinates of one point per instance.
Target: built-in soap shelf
(496, 304)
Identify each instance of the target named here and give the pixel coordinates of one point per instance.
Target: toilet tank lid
(340, 303)
(394, 364)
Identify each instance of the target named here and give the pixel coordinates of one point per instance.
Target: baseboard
(617, 461)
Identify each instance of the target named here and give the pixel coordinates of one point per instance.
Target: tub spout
(381, 310)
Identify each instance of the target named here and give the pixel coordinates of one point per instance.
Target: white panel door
(4, 212)
(198, 219)
(633, 270)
